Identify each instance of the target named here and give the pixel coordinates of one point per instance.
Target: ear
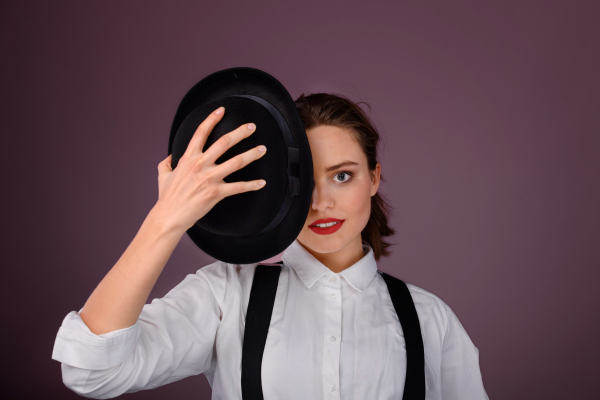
(375, 179)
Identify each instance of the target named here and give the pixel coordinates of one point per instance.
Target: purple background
(490, 118)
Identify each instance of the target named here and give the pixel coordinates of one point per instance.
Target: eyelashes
(344, 173)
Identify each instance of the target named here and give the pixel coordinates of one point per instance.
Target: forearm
(119, 298)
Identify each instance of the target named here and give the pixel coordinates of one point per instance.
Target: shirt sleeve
(460, 373)
(173, 338)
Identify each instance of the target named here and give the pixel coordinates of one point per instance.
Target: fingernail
(262, 183)
(262, 149)
(251, 126)
(219, 110)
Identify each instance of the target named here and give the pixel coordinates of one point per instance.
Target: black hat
(252, 226)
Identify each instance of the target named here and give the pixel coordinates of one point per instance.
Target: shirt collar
(310, 270)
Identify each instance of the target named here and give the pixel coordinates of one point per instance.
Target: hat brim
(254, 82)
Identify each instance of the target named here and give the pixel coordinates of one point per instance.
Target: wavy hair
(336, 110)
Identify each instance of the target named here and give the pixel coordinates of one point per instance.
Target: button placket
(333, 333)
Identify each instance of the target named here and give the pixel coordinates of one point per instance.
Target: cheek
(358, 205)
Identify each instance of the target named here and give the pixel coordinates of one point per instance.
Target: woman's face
(341, 192)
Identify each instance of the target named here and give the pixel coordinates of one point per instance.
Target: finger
(198, 141)
(165, 165)
(219, 147)
(229, 189)
(238, 162)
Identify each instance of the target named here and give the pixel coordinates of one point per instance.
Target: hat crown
(237, 215)
(250, 226)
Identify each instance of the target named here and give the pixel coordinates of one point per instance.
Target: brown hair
(336, 110)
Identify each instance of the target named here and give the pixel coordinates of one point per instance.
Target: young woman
(334, 333)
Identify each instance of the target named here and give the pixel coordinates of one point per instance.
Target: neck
(344, 258)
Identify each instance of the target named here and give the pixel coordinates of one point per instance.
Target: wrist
(163, 222)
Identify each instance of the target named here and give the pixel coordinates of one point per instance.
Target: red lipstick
(328, 230)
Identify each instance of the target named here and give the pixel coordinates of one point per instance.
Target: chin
(321, 244)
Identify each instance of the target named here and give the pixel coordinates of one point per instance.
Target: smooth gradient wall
(489, 114)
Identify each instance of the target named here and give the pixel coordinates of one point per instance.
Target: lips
(332, 225)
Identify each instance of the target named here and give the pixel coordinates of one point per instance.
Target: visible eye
(342, 173)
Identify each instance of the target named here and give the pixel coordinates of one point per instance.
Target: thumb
(165, 165)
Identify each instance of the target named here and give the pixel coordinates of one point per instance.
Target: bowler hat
(252, 226)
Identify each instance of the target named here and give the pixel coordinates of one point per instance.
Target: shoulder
(220, 271)
(226, 278)
(431, 309)
(425, 297)
(214, 276)
(215, 271)
(437, 318)
(206, 276)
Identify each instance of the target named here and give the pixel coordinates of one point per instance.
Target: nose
(322, 198)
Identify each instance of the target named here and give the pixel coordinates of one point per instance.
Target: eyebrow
(340, 165)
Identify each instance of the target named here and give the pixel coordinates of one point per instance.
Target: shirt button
(332, 388)
(332, 339)
(332, 296)
(332, 279)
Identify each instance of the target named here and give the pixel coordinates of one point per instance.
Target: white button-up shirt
(332, 336)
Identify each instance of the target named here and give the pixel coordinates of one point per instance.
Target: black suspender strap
(258, 319)
(414, 386)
